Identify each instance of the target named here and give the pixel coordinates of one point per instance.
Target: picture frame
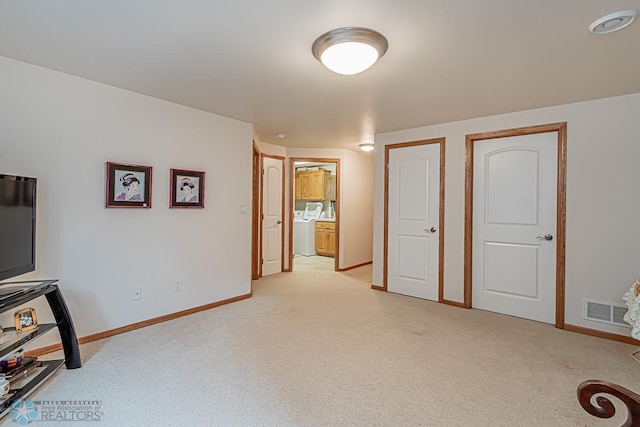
(187, 189)
(128, 186)
(25, 319)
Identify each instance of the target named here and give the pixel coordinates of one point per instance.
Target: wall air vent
(605, 312)
(618, 315)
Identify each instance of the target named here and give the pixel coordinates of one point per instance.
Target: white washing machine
(304, 229)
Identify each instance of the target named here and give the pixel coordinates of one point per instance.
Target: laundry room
(315, 189)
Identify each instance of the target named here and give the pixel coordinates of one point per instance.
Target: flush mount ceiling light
(349, 50)
(366, 146)
(613, 22)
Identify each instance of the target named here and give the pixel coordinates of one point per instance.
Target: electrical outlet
(178, 286)
(136, 293)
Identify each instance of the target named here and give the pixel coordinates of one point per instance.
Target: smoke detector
(613, 22)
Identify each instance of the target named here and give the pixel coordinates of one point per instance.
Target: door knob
(545, 237)
(430, 230)
(278, 222)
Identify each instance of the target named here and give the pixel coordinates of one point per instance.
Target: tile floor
(315, 262)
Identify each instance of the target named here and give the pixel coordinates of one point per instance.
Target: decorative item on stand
(19, 369)
(12, 360)
(25, 319)
(15, 366)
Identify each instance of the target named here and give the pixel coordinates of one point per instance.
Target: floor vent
(605, 312)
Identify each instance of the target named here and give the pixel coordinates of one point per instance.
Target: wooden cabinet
(326, 238)
(297, 186)
(332, 242)
(309, 189)
(315, 185)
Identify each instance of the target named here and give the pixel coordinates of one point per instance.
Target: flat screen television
(17, 225)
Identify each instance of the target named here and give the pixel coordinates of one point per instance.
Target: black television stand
(14, 294)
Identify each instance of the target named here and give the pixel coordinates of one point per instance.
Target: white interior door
(272, 216)
(414, 213)
(514, 208)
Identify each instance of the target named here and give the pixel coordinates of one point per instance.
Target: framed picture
(25, 319)
(128, 186)
(187, 189)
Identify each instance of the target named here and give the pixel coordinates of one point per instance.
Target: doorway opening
(314, 208)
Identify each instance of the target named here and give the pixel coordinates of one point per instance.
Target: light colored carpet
(319, 348)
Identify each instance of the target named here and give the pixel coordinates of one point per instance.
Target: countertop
(327, 219)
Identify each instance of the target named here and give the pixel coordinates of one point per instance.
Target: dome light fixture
(613, 22)
(349, 50)
(366, 146)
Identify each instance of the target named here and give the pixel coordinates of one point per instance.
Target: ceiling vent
(613, 22)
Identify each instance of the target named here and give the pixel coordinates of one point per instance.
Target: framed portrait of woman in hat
(187, 189)
(128, 186)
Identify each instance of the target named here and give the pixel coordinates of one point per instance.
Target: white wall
(356, 228)
(270, 149)
(356, 173)
(62, 129)
(603, 200)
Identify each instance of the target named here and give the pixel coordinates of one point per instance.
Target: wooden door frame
(292, 177)
(385, 259)
(261, 215)
(561, 205)
(256, 227)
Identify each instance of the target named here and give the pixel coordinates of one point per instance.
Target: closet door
(514, 226)
(413, 220)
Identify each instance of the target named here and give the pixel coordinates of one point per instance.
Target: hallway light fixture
(613, 22)
(349, 50)
(366, 146)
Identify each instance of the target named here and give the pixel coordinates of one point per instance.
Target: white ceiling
(251, 59)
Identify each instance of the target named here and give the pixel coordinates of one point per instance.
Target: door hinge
(262, 216)
(263, 261)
